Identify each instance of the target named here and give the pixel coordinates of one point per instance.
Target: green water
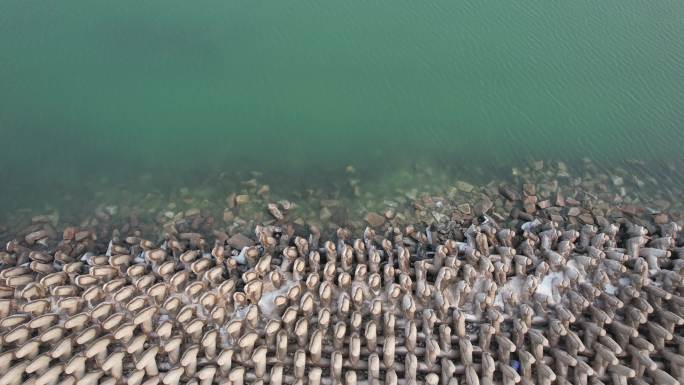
(180, 91)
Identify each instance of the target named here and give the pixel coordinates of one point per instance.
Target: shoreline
(238, 203)
(554, 278)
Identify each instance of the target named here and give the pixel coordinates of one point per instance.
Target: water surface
(175, 92)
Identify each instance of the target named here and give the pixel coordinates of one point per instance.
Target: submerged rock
(464, 186)
(374, 219)
(239, 241)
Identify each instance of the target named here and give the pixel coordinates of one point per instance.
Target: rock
(617, 181)
(509, 193)
(574, 211)
(228, 215)
(69, 233)
(559, 201)
(242, 199)
(484, 205)
(439, 217)
(586, 218)
(661, 219)
(544, 204)
(263, 190)
(325, 214)
(572, 202)
(374, 219)
(81, 235)
(530, 189)
(529, 207)
(630, 209)
(464, 186)
(275, 212)
(556, 218)
(191, 212)
(464, 208)
(35, 236)
(230, 200)
(240, 241)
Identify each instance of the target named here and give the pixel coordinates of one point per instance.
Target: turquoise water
(180, 91)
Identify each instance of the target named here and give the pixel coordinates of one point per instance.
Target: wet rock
(439, 217)
(572, 202)
(530, 189)
(240, 241)
(35, 236)
(242, 199)
(275, 211)
(574, 211)
(464, 208)
(530, 204)
(483, 205)
(586, 218)
(464, 186)
(52, 219)
(559, 200)
(661, 218)
(263, 190)
(81, 235)
(509, 193)
(562, 170)
(191, 212)
(69, 233)
(230, 200)
(556, 218)
(325, 214)
(631, 209)
(374, 219)
(390, 214)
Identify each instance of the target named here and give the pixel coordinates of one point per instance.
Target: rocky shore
(551, 276)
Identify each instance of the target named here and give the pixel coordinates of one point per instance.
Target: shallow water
(164, 94)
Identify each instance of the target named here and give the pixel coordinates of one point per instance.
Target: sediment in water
(547, 279)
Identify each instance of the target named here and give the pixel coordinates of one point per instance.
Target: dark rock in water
(509, 193)
(240, 241)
